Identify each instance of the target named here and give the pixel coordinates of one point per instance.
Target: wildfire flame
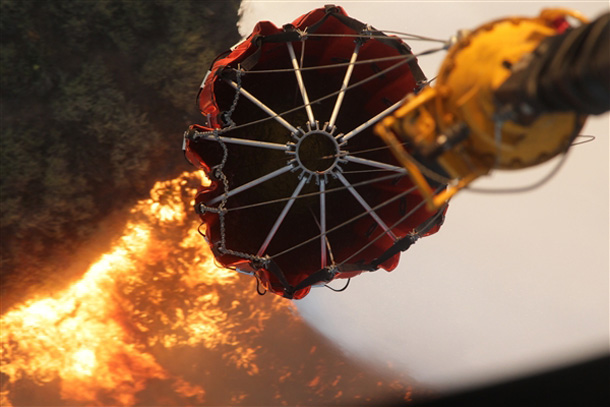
(87, 335)
(137, 315)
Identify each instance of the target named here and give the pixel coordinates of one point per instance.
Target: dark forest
(95, 97)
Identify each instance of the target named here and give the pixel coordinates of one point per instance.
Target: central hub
(317, 152)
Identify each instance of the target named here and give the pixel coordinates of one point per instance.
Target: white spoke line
(263, 106)
(244, 142)
(366, 206)
(371, 121)
(368, 182)
(297, 72)
(399, 221)
(323, 260)
(348, 75)
(281, 217)
(376, 164)
(251, 184)
(330, 251)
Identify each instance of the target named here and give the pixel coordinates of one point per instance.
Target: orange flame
(89, 337)
(155, 322)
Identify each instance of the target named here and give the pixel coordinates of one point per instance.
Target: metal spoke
(272, 201)
(281, 217)
(348, 75)
(376, 164)
(347, 222)
(244, 142)
(370, 122)
(323, 239)
(297, 72)
(251, 184)
(366, 206)
(429, 222)
(322, 98)
(263, 106)
(331, 66)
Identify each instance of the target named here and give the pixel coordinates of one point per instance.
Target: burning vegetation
(152, 321)
(155, 322)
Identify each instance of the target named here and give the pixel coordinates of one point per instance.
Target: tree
(95, 96)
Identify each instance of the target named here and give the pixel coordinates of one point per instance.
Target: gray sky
(512, 283)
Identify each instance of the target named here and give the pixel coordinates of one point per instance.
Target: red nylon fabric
(247, 228)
